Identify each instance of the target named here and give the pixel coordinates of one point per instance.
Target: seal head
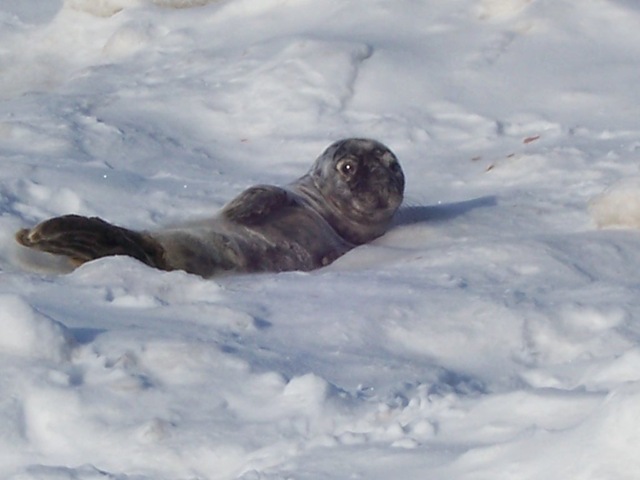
(357, 185)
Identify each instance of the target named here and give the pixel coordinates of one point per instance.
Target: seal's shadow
(440, 213)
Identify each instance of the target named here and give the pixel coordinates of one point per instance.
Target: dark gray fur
(348, 198)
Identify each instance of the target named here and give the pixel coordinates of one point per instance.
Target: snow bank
(28, 333)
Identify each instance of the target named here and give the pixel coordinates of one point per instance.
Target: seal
(347, 198)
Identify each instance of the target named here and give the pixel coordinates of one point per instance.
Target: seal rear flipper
(256, 204)
(86, 238)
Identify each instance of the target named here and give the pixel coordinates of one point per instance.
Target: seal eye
(347, 167)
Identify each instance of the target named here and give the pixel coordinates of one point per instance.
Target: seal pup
(347, 199)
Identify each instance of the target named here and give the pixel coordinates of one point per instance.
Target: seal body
(347, 198)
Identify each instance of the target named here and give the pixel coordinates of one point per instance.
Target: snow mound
(29, 333)
(108, 8)
(619, 205)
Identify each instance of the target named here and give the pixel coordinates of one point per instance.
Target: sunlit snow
(493, 333)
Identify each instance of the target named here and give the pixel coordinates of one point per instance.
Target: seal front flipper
(87, 238)
(257, 203)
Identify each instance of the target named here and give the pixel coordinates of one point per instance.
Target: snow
(492, 333)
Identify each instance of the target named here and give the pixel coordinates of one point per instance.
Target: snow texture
(492, 333)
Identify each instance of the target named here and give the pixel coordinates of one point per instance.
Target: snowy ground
(493, 333)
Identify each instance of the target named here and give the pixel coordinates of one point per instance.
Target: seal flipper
(256, 204)
(87, 238)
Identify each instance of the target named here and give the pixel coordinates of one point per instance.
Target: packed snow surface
(492, 333)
